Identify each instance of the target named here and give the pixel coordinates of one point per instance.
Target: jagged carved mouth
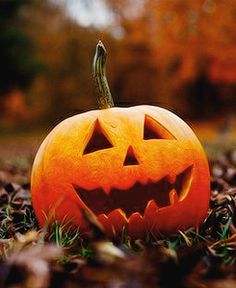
(135, 199)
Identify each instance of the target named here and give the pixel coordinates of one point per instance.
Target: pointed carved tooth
(107, 225)
(183, 182)
(118, 219)
(150, 208)
(136, 226)
(173, 197)
(150, 213)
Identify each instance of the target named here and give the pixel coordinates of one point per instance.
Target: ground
(50, 257)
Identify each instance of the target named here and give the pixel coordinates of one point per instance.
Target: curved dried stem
(104, 97)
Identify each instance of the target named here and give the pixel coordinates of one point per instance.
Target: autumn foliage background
(177, 54)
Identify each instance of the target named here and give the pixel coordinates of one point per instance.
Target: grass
(61, 236)
(213, 246)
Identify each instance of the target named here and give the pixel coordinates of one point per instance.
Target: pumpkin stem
(104, 97)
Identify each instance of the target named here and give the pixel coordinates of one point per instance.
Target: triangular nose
(130, 158)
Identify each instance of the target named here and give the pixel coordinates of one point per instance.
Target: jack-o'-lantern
(139, 168)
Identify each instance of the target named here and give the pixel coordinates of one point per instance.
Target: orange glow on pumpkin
(140, 167)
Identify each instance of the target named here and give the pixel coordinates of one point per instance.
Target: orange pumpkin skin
(141, 168)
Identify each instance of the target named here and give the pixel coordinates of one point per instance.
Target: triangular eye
(154, 130)
(98, 140)
(130, 158)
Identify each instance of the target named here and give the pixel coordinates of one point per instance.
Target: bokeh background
(177, 54)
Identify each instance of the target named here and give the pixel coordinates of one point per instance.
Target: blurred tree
(135, 74)
(192, 45)
(18, 66)
(67, 49)
(199, 36)
(178, 54)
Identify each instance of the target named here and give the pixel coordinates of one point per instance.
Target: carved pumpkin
(140, 167)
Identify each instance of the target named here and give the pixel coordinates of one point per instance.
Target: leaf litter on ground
(53, 257)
